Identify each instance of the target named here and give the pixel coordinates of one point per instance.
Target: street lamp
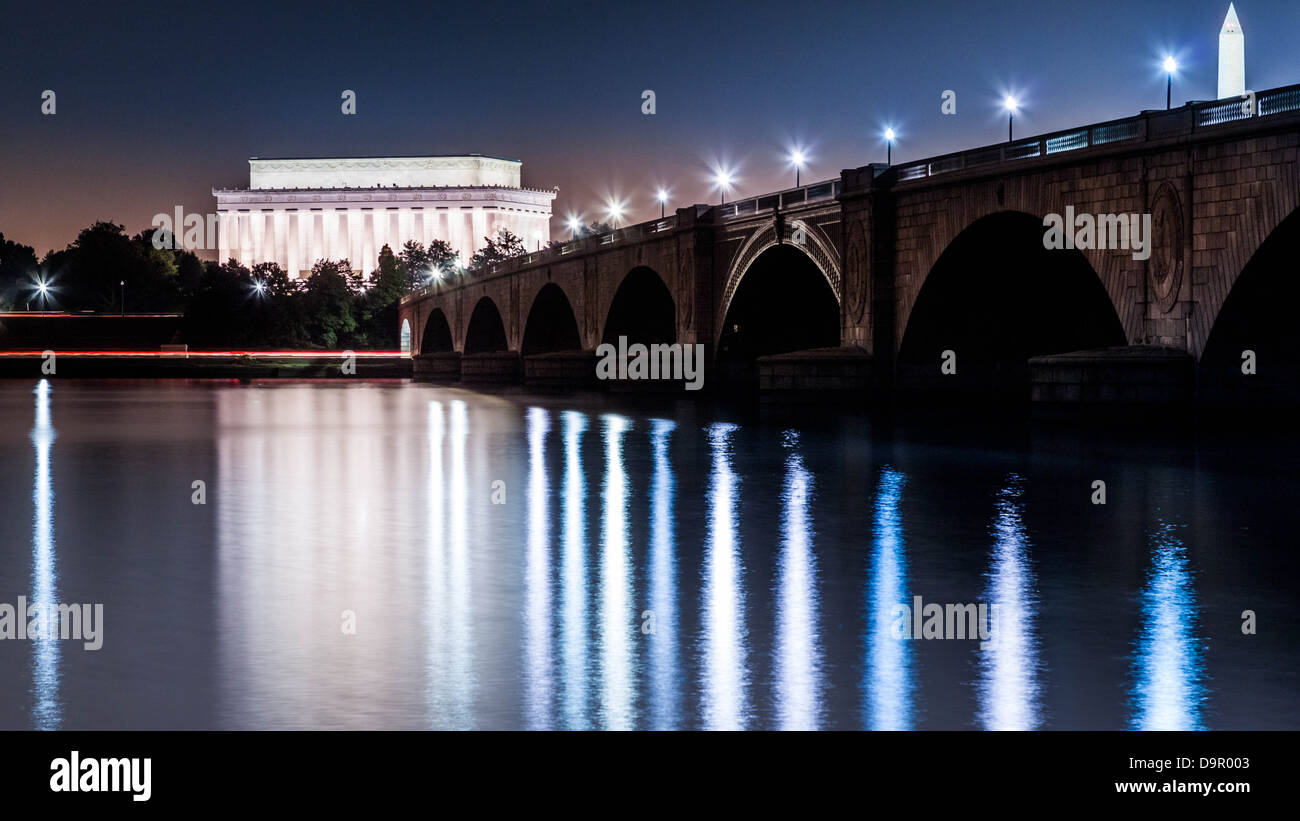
(614, 212)
(1171, 65)
(723, 181)
(575, 225)
(43, 289)
(1010, 104)
(122, 284)
(797, 159)
(889, 146)
(662, 196)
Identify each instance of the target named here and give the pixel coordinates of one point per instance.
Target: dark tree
(505, 246)
(328, 303)
(18, 271)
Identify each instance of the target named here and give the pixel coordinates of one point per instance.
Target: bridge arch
(551, 324)
(436, 337)
(815, 245)
(784, 302)
(996, 297)
(1258, 315)
(404, 337)
(485, 333)
(643, 310)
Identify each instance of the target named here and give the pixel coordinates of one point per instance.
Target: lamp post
(1010, 104)
(797, 159)
(889, 146)
(614, 212)
(1171, 65)
(662, 196)
(122, 283)
(723, 181)
(43, 290)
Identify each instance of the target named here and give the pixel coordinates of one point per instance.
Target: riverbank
(205, 364)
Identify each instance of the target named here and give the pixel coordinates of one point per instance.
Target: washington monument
(1232, 57)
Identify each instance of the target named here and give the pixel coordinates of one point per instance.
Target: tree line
(229, 305)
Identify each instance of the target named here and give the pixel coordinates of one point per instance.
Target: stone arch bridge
(875, 280)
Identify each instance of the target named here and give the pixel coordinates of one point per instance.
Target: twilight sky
(156, 104)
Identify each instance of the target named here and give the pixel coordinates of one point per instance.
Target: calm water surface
(521, 562)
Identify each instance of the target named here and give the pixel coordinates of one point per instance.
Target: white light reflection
(435, 570)
(889, 684)
(47, 713)
(664, 673)
(1008, 688)
(725, 679)
(573, 575)
(617, 618)
(1169, 689)
(798, 656)
(313, 520)
(538, 607)
(460, 673)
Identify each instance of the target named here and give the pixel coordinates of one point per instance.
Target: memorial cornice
(521, 196)
(361, 163)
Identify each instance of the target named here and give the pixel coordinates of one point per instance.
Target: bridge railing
(1056, 142)
(618, 235)
(825, 190)
(1210, 113)
(1250, 104)
(1203, 115)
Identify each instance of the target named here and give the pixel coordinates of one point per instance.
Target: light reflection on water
(449, 583)
(458, 672)
(574, 576)
(1008, 685)
(1169, 676)
(47, 713)
(538, 670)
(617, 617)
(725, 684)
(664, 672)
(638, 573)
(798, 654)
(889, 686)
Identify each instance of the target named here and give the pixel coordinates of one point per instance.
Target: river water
(398, 555)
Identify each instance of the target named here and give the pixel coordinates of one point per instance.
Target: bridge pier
(495, 368)
(560, 370)
(1125, 375)
(816, 372)
(436, 367)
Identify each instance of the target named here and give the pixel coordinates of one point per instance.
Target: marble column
(226, 237)
(245, 237)
(294, 256)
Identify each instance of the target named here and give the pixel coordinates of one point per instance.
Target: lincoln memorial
(297, 211)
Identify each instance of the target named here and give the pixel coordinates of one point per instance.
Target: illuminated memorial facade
(298, 211)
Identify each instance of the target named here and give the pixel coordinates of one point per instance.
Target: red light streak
(216, 354)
